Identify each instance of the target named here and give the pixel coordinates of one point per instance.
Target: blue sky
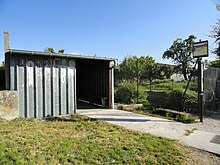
(106, 28)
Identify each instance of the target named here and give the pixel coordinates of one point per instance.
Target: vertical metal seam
(109, 86)
(43, 85)
(35, 107)
(67, 88)
(25, 87)
(51, 85)
(15, 73)
(59, 88)
(17, 87)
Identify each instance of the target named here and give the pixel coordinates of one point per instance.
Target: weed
(188, 132)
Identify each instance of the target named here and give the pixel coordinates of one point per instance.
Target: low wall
(157, 99)
(8, 105)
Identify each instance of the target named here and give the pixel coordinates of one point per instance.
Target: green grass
(166, 85)
(82, 141)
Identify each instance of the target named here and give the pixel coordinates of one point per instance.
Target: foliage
(2, 67)
(181, 53)
(215, 33)
(151, 72)
(193, 86)
(51, 50)
(215, 63)
(133, 68)
(61, 51)
(126, 93)
(82, 142)
(165, 71)
(143, 68)
(139, 69)
(217, 4)
(175, 100)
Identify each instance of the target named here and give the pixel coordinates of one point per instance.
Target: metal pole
(200, 89)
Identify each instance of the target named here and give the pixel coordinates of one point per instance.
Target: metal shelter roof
(66, 55)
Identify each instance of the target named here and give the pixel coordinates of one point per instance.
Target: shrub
(126, 92)
(193, 85)
(176, 101)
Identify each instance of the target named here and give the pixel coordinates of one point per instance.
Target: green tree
(165, 71)
(135, 69)
(215, 63)
(131, 69)
(181, 54)
(151, 72)
(215, 33)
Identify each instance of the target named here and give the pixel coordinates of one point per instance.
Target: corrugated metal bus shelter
(49, 84)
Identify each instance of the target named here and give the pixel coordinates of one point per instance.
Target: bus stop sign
(200, 49)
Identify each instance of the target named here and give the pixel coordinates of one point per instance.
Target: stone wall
(8, 105)
(212, 90)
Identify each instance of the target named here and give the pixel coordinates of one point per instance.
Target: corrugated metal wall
(46, 85)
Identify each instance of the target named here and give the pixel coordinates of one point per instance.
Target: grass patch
(167, 85)
(188, 132)
(81, 141)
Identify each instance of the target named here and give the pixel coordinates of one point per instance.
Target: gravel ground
(209, 125)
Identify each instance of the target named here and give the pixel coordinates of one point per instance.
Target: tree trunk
(185, 76)
(184, 72)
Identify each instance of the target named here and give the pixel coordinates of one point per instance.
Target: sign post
(200, 50)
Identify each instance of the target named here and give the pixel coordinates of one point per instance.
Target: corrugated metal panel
(46, 86)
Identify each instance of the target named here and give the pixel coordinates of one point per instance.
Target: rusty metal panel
(46, 85)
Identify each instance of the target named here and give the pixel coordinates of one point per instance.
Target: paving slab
(185, 133)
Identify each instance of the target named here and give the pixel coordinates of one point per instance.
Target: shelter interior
(92, 83)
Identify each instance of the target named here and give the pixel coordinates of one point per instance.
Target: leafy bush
(176, 101)
(126, 92)
(193, 85)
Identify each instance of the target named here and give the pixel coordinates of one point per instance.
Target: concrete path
(185, 133)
